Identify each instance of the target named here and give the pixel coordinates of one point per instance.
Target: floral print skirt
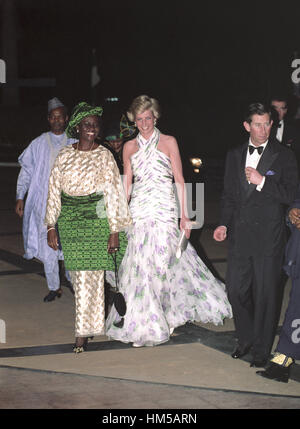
(161, 291)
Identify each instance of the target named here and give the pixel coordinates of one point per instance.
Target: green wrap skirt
(84, 231)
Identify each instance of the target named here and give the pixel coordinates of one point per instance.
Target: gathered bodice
(153, 193)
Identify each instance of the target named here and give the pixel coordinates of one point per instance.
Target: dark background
(204, 62)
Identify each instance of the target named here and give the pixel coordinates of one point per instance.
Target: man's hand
(220, 233)
(20, 208)
(253, 176)
(52, 239)
(294, 216)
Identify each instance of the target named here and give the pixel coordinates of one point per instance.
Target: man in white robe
(36, 163)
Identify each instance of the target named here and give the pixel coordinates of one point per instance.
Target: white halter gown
(161, 291)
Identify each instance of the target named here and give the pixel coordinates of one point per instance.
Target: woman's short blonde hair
(142, 103)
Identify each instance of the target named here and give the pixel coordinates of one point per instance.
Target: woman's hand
(52, 239)
(185, 224)
(113, 243)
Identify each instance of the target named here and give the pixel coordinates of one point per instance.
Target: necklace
(85, 150)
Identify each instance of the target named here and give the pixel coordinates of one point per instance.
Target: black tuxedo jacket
(290, 138)
(255, 220)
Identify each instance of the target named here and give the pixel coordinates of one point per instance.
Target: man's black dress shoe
(258, 362)
(52, 295)
(276, 372)
(240, 352)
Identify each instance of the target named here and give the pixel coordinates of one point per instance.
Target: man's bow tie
(258, 148)
(279, 125)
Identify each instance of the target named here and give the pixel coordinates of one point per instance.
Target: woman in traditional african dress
(87, 200)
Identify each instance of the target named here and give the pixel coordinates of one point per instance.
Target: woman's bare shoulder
(169, 143)
(164, 138)
(130, 143)
(130, 147)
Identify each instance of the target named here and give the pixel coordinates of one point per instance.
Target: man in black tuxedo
(260, 181)
(284, 129)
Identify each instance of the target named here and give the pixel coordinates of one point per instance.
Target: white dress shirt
(280, 131)
(253, 160)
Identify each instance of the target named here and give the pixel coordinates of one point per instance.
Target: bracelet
(52, 227)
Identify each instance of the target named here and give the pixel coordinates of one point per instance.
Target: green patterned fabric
(84, 232)
(80, 111)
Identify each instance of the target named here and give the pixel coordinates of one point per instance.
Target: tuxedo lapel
(242, 161)
(284, 135)
(268, 157)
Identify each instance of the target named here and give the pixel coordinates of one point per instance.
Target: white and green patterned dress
(161, 291)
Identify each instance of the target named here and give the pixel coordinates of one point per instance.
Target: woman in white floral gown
(161, 291)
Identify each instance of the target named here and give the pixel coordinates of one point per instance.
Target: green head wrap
(80, 111)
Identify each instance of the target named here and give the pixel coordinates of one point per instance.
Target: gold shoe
(281, 359)
(80, 348)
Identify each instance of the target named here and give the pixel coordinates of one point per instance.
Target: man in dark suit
(288, 346)
(260, 180)
(284, 129)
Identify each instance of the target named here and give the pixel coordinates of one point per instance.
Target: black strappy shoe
(81, 344)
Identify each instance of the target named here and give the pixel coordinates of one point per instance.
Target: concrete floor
(193, 371)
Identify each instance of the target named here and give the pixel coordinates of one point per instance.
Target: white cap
(54, 103)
